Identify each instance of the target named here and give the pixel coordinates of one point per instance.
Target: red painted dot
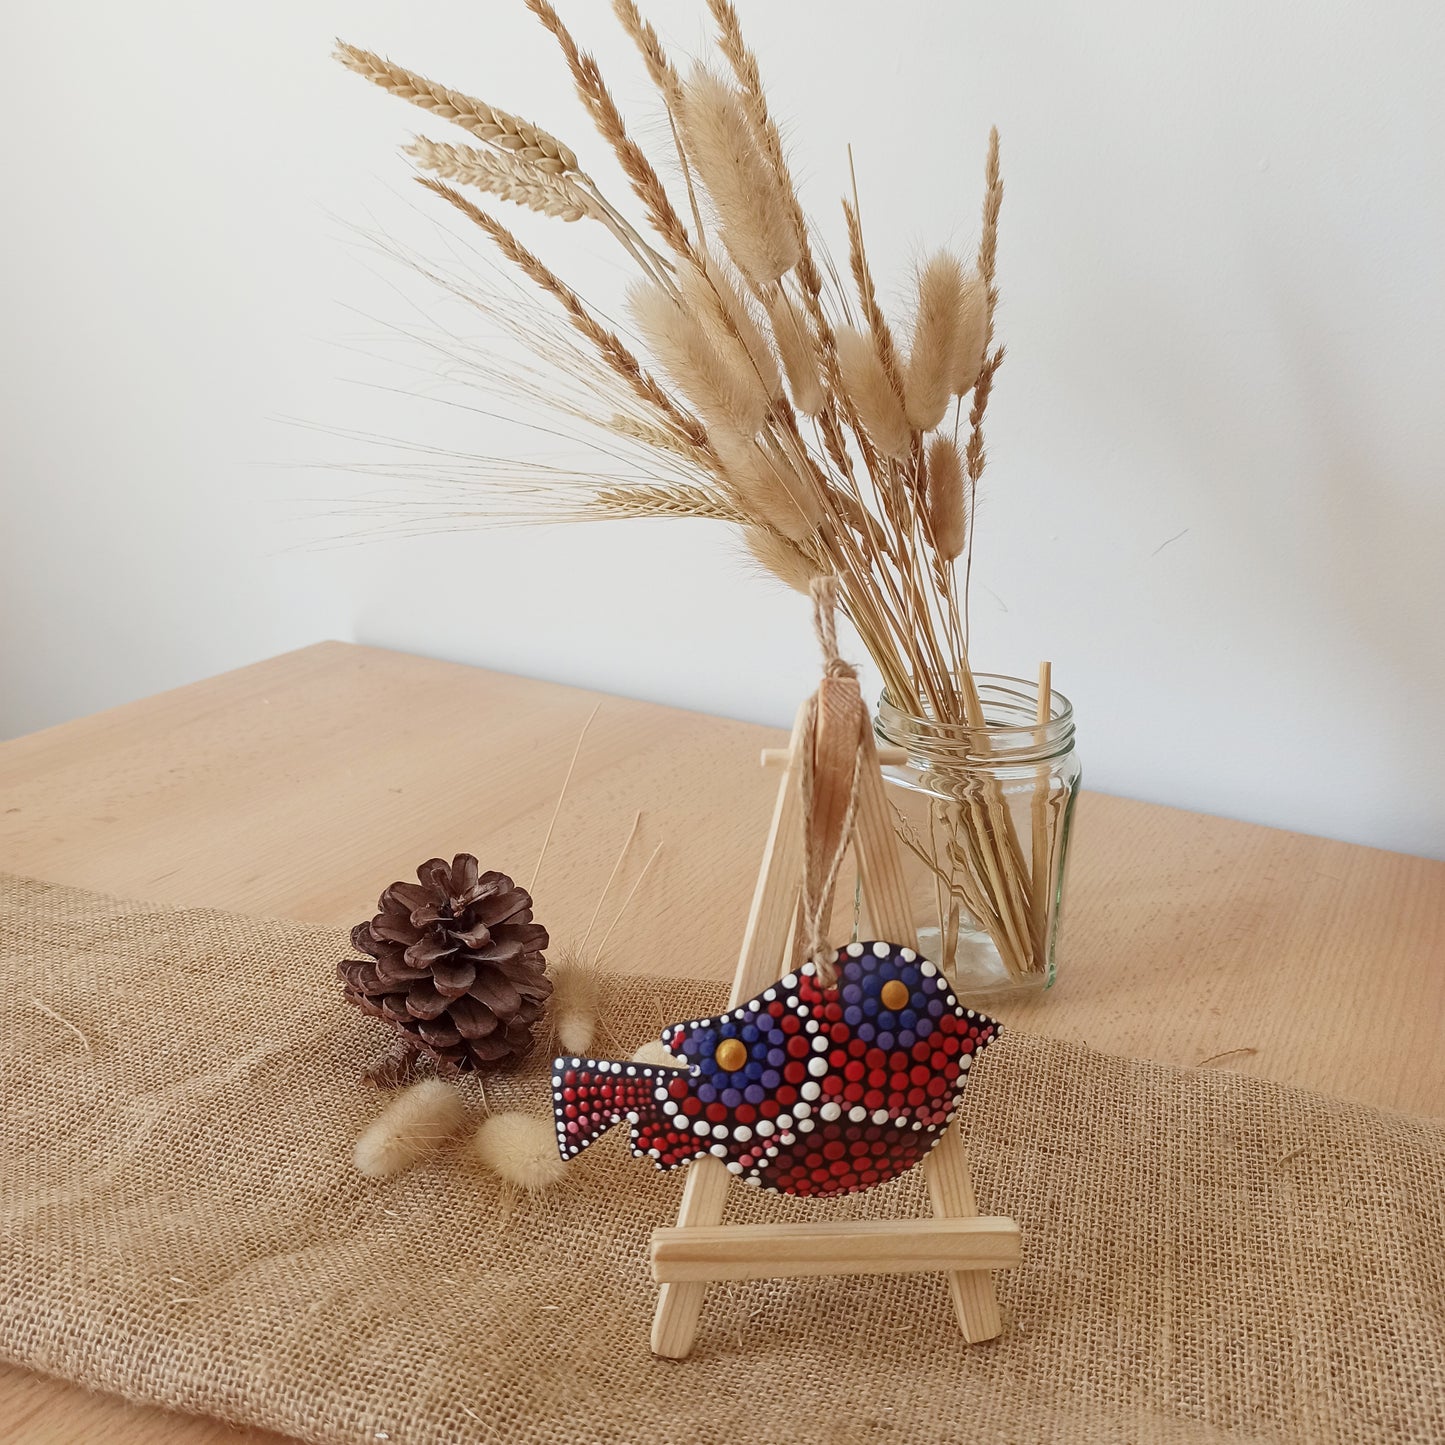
(916, 1096)
(717, 1112)
(920, 1075)
(937, 1087)
(837, 1059)
(745, 1113)
(922, 1049)
(838, 1166)
(791, 1023)
(678, 1088)
(770, 1108)
(857, 1048)
(776, 1008)
(798, 1046)
(786, 1095)
(691, 1107)
(873, 1099)
(795, 1072)
(854, 1070)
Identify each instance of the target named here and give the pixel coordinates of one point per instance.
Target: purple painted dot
(865, 1032)
(935, 1008)
(853, 1016)
(924, 1028)
(777, 1058)
(755, 1093)
(732, 1097)
(884, 1039)
(771, 1079)
(907, 1038)
(852, 993)
(706, 1093)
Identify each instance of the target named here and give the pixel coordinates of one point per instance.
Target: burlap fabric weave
(1206, 1257)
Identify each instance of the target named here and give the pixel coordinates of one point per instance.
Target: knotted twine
(835, 750)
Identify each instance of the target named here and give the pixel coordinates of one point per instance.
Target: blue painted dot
(873, 984)
(706, 1093)
(754, 1070)
(911, 976)
(871, 1007)
(755, 1093)
(749, 1034)
(771, 1079)
(708, 1065)
(732, 1097)
(908, 1018)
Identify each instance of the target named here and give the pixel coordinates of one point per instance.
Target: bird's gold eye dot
(731, 1055)
(894, 994)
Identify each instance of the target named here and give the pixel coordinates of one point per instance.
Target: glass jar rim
(1000, 686)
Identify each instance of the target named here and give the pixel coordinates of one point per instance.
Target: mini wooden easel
(700, 1248)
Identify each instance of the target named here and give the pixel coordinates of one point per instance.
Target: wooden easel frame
(700, 1249)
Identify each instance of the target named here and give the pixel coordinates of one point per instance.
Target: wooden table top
(301, 786)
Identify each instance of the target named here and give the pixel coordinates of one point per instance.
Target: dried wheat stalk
(854, 468)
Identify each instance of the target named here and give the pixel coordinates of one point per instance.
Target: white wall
(1215, 498)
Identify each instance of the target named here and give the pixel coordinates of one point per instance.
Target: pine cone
(455, 965)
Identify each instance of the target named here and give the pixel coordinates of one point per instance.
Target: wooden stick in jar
(1039, 828)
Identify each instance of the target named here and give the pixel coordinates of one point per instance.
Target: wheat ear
(505, 176)
(592, 90)
(496, 127)
(608, 345)
(659, 438)
(768, 486)
(756, 227)
(660, 69)
(665, 499)
(933, 357)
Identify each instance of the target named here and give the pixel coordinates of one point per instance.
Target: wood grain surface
(301, 786)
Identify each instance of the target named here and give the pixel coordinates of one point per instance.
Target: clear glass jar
(984, 815)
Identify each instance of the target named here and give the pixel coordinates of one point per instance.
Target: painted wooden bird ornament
(802, 1090)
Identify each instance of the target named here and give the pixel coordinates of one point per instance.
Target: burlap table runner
(1206, 1256)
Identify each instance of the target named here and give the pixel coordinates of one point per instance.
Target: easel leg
(679, 1306)
(950, 1189)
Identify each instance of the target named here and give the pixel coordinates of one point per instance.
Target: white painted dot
(632, 1072)
(811, 1089)
(900, 1122)
(765, 1128)
(802, 1109)
(654, 1153)
(772, 1151)
(670, 1107)
(632, 1118)
(791, 1001)
(812, 1026)
(770, 994)
(857, 1113)
(753, 1182)
(917, 1125)
(830, 1111)
(817, 1066)
(966, 1063)
(742, 1133)
(807, 970)
(855, 950)
(791, 981)
(880, 1116)
(719, 1151)
(659, 1094)
(907, 955)
(702, 1127)
(785, 1139)
(785, 1121)
(805, 1126)
(971, 1014)
(734, 1167)
(719, 1131)
(881, 950)
(576, 1063)
(820, 1044)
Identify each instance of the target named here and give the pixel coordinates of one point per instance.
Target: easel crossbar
(871, 1246)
